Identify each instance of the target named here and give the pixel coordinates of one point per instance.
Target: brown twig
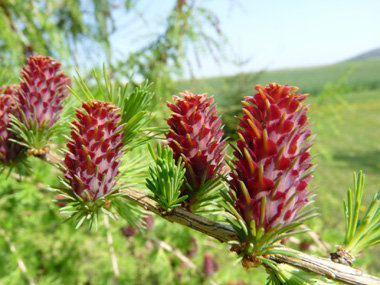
(115, 265)
(174, 251)
(187, 261)
(181, 216)
(324, 246)
(223, 233)
(20, 262)
(327, 268)
(53, 159)
(322, 266)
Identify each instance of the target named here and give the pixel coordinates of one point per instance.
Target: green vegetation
(358, 74)
(347, 141)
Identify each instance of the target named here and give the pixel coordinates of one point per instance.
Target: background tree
(66, 30)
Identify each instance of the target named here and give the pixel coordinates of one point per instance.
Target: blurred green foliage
(67, 30)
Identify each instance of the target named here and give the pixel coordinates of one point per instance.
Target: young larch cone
(149, 222)
(95, 148)
(42, 90)
(272, 168)
(129, 231)
(9, 151)
(192, 251)
(196, 134)
(210, 267)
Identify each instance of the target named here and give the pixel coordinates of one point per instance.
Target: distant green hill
(353, 75)
(372, 54)
(333, 79)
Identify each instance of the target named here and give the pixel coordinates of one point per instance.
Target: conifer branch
(54, 159)
(309, 263)
(325, 267)
(179, 215)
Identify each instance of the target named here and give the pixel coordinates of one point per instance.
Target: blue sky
(278, 34)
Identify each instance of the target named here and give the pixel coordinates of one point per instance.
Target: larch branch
(223, 233)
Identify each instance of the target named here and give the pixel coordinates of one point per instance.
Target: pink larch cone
(210, 267)
(273, 161)
(195, 134)
(95, 148)
(42, 90)
(9, 151)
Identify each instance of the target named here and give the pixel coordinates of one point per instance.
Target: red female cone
(9, 150)
(42, 91)
(273, 161)
(95, 148)
(195, 134)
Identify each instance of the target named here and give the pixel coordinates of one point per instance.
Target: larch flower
(195, 134)
(9, 150)
(42, 91)
(272, 168)
(210, 267)
(129, 231)
(95, 148)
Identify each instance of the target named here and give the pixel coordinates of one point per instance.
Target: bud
(129, 231)
(210, 267)
(59, 201)
(149, 222)
(193, 247)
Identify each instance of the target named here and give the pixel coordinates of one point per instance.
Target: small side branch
(324, 246)
(181, 216)
(115, 265)
(327, 268)
(175, 251)
(53, 159)
(20, 262)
